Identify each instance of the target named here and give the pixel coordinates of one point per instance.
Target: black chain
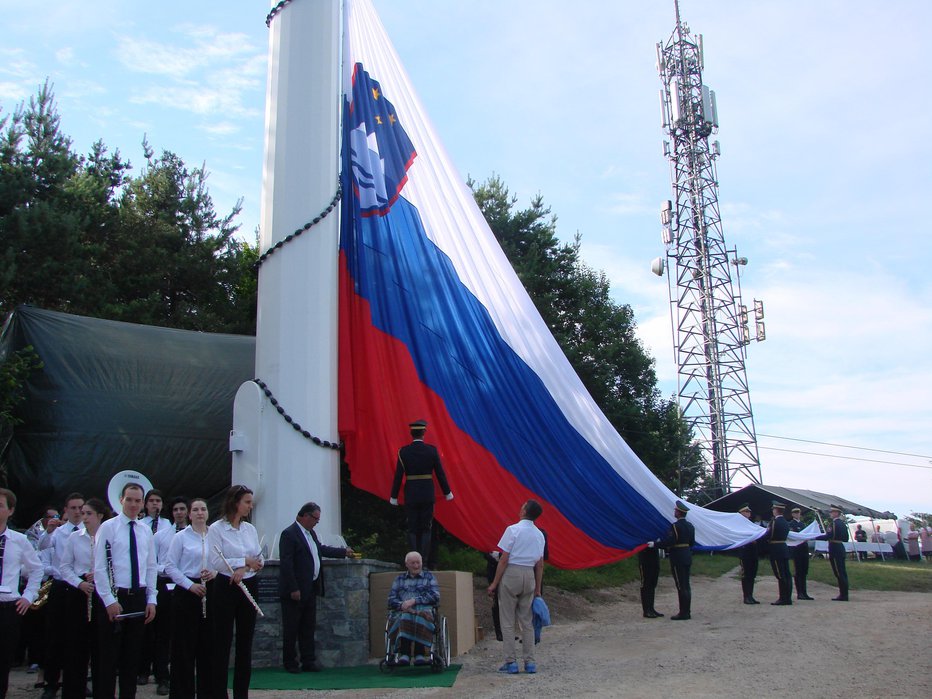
(291, 236)
(275, 10)
(290, 420)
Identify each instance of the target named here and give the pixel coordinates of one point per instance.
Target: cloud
(65, 55)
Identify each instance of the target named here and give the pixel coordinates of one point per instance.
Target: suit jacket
(776, 537)
(423, 461)
(297, 563)
(679, 541)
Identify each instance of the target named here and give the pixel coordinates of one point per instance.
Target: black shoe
(780, 603)
(651, 615)
(840, 598)
(748, 600)
(805, 597)
(293, 669)
(656, 613)
(754, 601)
(680, 617)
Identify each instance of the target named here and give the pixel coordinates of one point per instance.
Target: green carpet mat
(362, 677)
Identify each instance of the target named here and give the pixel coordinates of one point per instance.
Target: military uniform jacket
(417, 463)
(801, 550)
(679, 542)
(776, 536)
(836, 535)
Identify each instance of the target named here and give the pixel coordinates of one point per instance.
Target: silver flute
(203, 579)
(242, 585)
(90, 597)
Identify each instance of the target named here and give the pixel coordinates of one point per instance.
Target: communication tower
(710, 323)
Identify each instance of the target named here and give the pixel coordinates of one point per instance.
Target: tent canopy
(113, 396)
(760, 497)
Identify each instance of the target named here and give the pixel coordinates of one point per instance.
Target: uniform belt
(420, 477)
(837, 541)
(781, 541)
(681, 546)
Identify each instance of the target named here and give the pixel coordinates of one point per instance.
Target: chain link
(290, 420)
(275, 10)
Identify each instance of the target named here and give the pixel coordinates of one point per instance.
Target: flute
(203, 579)
(90, 597)
(242, 585)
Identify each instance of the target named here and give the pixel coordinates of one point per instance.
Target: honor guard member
(749, 561)
(800, 556)
(837, 537)
(417, 464)
(125, 580)
(679, 543)
(779, 553)
(649, 568)
(17, 559)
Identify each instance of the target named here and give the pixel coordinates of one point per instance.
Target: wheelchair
(438, 657)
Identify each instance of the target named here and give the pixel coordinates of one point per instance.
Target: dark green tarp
(114, 396)
(760, 497)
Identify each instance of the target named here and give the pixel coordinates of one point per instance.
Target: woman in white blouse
(187, 564)
(81, 604)
(233, 544)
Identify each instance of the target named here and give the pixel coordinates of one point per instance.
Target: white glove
(650, 544)
(449, 496)
(393, 501)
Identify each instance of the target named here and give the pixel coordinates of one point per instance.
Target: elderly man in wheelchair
(412, 622)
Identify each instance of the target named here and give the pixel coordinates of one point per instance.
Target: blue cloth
(541, 617)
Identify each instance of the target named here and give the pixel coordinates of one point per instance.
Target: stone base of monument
(343, 632)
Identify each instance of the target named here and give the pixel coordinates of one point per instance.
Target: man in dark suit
(779, 554)
(837, 536)
(300, 583)
(679, 543)
(417, 464)
(800, 555)
(749, 561)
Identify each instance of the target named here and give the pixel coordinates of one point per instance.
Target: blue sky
(824, 113)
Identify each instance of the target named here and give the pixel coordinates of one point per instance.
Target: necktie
(155, 524)
(2, 547)
(133, 558)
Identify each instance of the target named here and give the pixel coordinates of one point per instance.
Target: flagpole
(296, 346)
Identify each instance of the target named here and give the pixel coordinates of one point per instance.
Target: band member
(17, 558)
(125, 571)
(233, 543)
(187, 566)
(81, 604)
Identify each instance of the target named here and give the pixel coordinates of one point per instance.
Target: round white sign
(115, 488)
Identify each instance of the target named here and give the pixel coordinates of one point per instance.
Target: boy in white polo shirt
(518, 579)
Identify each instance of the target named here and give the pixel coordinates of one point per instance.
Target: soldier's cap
(744, 508)
(777, 505)
(418, 425)
(796, 509)
(681, 507)
(835, 508)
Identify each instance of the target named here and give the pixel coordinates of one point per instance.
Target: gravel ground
(601, 646)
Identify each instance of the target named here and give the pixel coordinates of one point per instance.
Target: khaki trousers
(515, 595)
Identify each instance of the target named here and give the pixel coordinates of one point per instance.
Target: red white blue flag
(435, 325)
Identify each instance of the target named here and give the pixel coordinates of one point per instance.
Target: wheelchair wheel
(442, 650)
(385, 666)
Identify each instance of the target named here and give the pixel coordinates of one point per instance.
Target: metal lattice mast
(710, 325)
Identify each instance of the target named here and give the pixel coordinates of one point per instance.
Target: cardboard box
(456, 604)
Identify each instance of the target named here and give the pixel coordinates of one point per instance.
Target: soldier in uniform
(649, 567)
(749, 561)
(800, 556)
(679, 542)
(837, 536)
(779, 553)
(417, 464)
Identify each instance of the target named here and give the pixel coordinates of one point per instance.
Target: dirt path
(601, 646)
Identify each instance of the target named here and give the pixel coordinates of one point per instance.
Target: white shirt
(116, 532)
(187, 556)
(523, 542)
(161, 524)
(77, 558)
(162, 541)
(19, 557)
(313, 546)
(235, 544)
(57, 541)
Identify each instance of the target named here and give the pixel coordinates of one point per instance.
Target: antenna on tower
(710, 323)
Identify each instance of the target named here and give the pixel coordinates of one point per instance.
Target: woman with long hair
(235, 553)
(82, 605)
(188, 566)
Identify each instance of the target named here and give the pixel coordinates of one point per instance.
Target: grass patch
(892, 576)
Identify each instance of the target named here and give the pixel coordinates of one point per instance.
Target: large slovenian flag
(435, 324)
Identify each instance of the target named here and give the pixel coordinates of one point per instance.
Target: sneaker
(403, 660)
(509, 668)
(530, 668)
(420, 660)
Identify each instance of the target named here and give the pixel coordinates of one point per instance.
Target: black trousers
(191, 645)
(9, 639)
(299, 620)
(749, 566)
(81, 636)
(780, 565)
(420, 518)
(120, 644)
(231, 608)
(54, 639)
(801, 567)
(649, 568)
(837, 555)
(683, 590)
(156, 648)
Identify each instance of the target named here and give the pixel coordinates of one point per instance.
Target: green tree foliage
(81, 234)
(597, 334)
